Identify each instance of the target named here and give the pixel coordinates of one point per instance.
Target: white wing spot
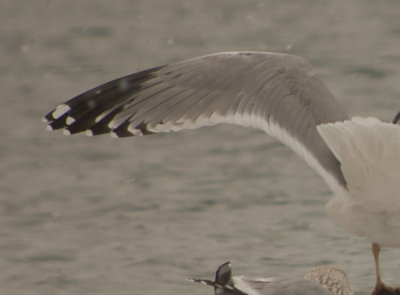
(60, 110)
(112, 124)
(101, 116)
(70, 120)
(66, 132)
(134, 131)
(89, 132)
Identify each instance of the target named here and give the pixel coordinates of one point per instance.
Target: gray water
(83, 215)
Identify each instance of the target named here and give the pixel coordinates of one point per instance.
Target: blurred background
(96, 215)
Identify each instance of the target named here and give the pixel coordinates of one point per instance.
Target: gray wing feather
(274, 92)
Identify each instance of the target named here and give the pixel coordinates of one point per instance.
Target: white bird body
(369, 153)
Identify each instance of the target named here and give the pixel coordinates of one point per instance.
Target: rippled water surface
(97, 216)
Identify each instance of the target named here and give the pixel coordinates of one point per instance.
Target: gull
(324, 280)
(278, 93)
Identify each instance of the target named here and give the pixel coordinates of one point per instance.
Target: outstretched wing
(277, 93)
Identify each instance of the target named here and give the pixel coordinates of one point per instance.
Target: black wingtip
(396, 119)
(82, 112)
(223, 275)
